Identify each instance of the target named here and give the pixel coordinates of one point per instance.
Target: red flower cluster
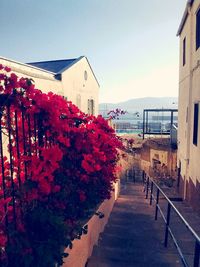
(61, 164)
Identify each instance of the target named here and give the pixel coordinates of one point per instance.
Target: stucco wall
(189, 94)
(160, 155)
(183, 120)
(82, 249)
(145, 166)
(194, 153)
(74, 84)
(184, 108)
(126, 163)
(167, 159)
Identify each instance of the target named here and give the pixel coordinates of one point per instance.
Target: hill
(138, 104)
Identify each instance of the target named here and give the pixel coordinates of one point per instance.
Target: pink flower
(7, 69)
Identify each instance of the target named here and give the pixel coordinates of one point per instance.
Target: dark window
(184, 48)
(198, 30)
(179, 174)
(196, 120)
(91, 106)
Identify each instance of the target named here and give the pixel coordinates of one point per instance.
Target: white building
(189, 104)
(74, 79)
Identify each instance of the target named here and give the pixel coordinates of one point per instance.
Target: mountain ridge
(141, 98)
(139, 104)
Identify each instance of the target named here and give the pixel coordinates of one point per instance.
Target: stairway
(132, 238)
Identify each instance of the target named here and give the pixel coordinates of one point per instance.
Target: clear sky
(131, 44)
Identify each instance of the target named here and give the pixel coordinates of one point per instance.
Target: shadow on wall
(192, 195)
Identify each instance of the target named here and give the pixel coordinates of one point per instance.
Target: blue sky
(131, 45)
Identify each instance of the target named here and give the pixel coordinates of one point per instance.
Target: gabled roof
(52, 67)
(185, 15)
(59, 66)
(55, 66)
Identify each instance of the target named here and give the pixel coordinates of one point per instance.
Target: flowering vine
(57, 165)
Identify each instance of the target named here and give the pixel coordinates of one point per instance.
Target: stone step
(131, 242)
(137, 257)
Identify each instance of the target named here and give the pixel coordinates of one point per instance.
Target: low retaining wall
(126, 163)
(82, 249)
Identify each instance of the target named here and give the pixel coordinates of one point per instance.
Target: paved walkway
(132, 238)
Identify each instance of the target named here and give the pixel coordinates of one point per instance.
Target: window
(196, 122)
(85, 75)
(184, 51)
(198, 30)
(91, 106)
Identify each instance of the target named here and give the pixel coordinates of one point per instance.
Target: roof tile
(54, 65)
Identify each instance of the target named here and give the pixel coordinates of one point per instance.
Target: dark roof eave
(184, 18)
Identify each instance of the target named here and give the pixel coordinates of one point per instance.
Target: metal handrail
(168, 230)
(177, 212)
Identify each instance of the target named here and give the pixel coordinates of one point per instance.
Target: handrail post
(167, 224)
(157, 201)
(147, 187)
(151, 196)
(134, 175)
(167, 218)
(196, 254)
(143, 176)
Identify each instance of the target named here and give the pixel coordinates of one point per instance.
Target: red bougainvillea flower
(82, 196)
(7, 69)
(3, 240)
(63, 164)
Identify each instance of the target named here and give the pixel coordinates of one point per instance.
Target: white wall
(74, 84)
(44, 81)
(184, 103)
(189, 93)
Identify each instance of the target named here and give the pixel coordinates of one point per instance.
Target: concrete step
(138, 257)
(133, 238)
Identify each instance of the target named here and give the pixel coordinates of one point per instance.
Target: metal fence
(22, 133)
(155, 194)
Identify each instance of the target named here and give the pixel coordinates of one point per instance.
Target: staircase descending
(132, 238)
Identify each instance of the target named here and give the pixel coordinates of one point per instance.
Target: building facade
(158, 159)
(189, 105)
(74, 79)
